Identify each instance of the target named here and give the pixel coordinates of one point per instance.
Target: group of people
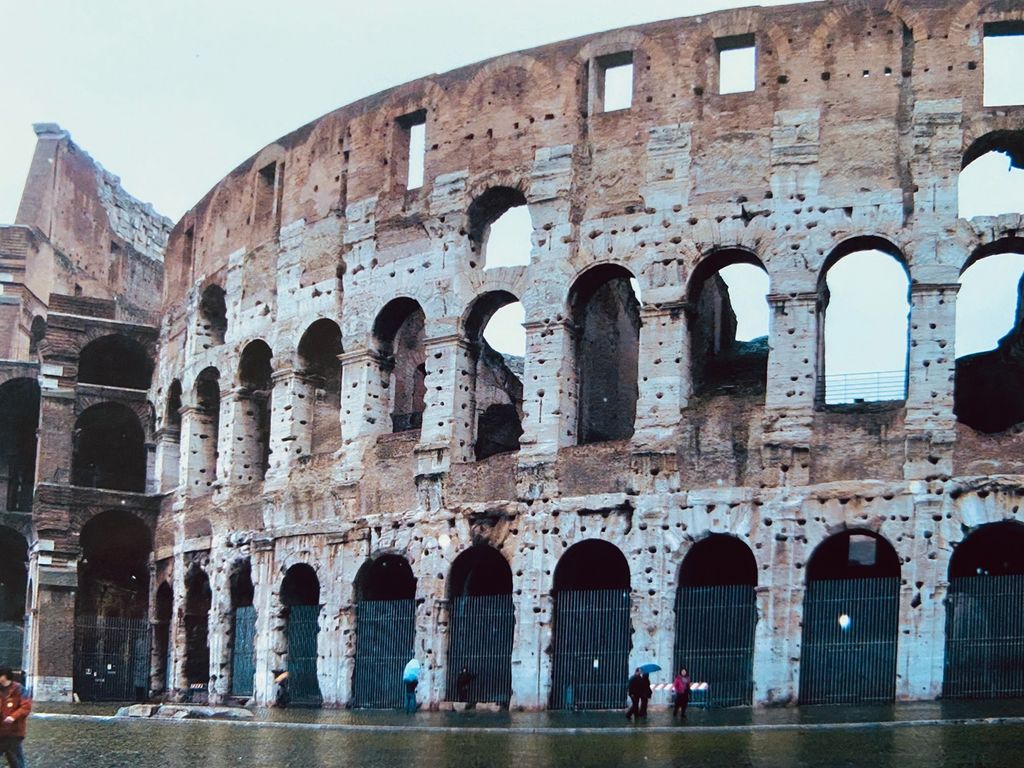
(640, 693)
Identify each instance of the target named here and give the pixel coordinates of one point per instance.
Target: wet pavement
(948, 735)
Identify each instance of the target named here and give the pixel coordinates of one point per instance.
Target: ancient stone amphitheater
(338, 474)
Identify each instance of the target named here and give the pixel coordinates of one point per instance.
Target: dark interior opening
(718, 560)
(109, 449)
(388, 577)
(853, 555)
(480, 570)
(115, 361)
(592, 564)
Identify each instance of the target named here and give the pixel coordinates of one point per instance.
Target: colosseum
(272, 437)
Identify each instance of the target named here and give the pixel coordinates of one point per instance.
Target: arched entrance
(300, 595)
(385, 631)
(163, 677)
(111, 609)
(198, 598)
(13, 583)
(590, 668)
(19, 420)
(715, 618)
(482, 626)
(243, 632)
(985, 615)
(850, 621)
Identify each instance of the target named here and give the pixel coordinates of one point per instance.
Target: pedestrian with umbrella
(411, 678)
(636, 691)
(645, 697)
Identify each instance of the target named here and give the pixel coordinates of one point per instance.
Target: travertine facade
(861, 118)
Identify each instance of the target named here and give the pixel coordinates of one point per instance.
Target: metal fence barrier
(591, 649)
(303, 631)
(385, 633)
(111, 658)
(984, 637)
(848, 648)
(12, 639)
(875, 386)
(715, 641)
(482, 630)
(243, 652)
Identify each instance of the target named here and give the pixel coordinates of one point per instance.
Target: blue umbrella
(648, 668)
(412, 671)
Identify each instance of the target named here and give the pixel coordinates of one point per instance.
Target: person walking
(645, 695)
(462, 683)
(410, 695)
(14, 709)
(681, 688)
(636, 691)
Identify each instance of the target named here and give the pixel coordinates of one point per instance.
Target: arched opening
(497, 376)
(13, 590)
(108, 449)
(850, 621)
(985, 614)
(300, 595)
(482, 622)
(243, 629)
(399, 336)
(728, 323)
(19, 420)
(204, 444)
(592, 637)
(385, 631)
(115, 361)
(716, 615)
(163, 677)
(318, 357)
(172, 414)
(864, 324)
(36, 334)
(213, 317)
(606, 316)
(111, 609)
(256, 390)
(198, 599)
(500, 228)
(991, 181)
(988, 393)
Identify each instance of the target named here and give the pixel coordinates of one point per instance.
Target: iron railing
(111, 658)
(591, 649)
(385, 634)
(872, 387)
(984, 637)
(197, 652)
(482, 630)
(12, 641)
(243, 651)
(715, 641)
(303, 631)
(848, 647)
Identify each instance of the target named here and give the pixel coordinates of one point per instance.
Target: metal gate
(481, 641)
(848, 645)
(591, 650)
(111, 658)
(197, 652)
(243, 652)
(303, 630)
(984, 637)
(715, 640)
(385, 634)
(12, 639)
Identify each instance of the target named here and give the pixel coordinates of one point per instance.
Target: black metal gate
(984, 637)
(12, 640)
(715, 640)
(385, 635)
(482, 630)
(111, 658)
(591, 650)
(243, 651)
(303, 630)
(850, 627)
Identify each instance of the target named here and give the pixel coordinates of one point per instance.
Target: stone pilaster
(291, 419)
(197, 452)
(364, 409)
(664, 376)
(549, 391)
(168, 459)
(449, 412)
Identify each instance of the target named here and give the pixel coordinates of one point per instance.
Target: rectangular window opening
(737, 64)
(1003, 61)
(266, 181)
(614, 81)
(414, 149)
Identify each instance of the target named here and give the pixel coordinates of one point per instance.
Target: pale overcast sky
(171, 96)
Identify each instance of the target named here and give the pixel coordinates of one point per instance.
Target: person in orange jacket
(14, 709)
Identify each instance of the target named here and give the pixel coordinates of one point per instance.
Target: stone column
(241, 453)
(531, 647)
(291, 423)
(168, 459)
(178, 682)
(50, 628)
(364, 409)
(221, 628)
(269, 621)
(779, 601)
(197, 452)
(664, 376)
(56, 426)
(549, 391)
(448, 415)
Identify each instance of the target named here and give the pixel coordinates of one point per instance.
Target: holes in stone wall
(1003, 62)
(737, 63)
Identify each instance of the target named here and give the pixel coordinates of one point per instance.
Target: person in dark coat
(645, 695)
(636, 692)
(681, 688)
(14, 709)
(462, 683)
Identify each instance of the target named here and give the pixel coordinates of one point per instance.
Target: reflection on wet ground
(219, 745)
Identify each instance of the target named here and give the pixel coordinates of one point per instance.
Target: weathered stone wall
(853, 138)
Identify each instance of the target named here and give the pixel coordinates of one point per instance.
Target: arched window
(500, 228)
(254, 379)
(300, 595)
(207, 398)
(989, 385)
(850, 621)
(198, 599)
(37, 333)
(399, 336)
(172, 416)
(109, 449)
(498, 376)
(606, 316)
(162, 646)
(318, 350)
(992, 179)
(19, 420)
(213, 317)
(864, 298)
(728, 321)
(592, 634)
(115, 361)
